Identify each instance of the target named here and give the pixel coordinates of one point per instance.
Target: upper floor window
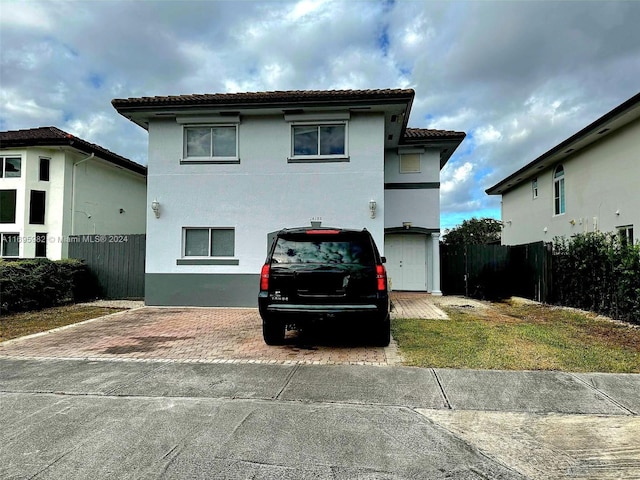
(534, 187)
(44, 169)
(8, 206)
(319, 141)
(217, 143)
(37, 207)
(558, 191)
(10, 167)
(410, 163)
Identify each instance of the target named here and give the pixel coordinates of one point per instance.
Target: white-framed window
(410, 163)
(558, 191)
(208, 242)
(625, 233)
(319, 141)
(10, 167)
(10, 244)
(534, 188)
(210, 143)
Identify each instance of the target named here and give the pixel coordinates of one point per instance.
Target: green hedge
(598, 272)
(40, 283)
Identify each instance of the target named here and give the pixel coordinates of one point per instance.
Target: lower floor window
(10, 244)
(209, 242)
(41, 244)
(626, 234)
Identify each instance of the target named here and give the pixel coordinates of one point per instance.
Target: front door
(406, 261)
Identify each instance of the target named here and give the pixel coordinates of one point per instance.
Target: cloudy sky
(517, 77)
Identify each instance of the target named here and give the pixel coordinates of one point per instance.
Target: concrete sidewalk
(125, 419)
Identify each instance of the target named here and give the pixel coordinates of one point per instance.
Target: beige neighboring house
(589, 182)
(53, 185)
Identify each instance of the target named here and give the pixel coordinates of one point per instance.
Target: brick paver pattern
(218, 335)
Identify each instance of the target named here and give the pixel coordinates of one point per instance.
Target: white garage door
(406, 261)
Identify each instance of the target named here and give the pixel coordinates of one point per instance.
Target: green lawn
(26, 323)
(519, 337)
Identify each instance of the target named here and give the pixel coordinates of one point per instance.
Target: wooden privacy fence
(117, 261)
(494, 271)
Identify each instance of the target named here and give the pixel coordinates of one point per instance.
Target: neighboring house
(53, 185)
(589, 182)
(228, 170)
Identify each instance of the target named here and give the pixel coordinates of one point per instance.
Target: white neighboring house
(53, 185)
(228, 170)
(589, 182)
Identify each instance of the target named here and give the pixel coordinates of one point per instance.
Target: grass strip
(519, 337)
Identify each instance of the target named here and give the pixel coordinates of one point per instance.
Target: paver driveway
(191, 334)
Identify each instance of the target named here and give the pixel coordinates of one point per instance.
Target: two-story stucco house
(228, 170)
(53, 185)
(589, 182)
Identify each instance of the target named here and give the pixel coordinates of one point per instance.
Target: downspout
(73, 191)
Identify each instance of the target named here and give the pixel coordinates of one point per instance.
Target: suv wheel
(382, 333)
(273, 332)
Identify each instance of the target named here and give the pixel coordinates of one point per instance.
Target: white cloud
(487, 134)
(518, 77)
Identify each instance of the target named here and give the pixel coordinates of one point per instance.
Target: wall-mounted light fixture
(155, 206)
(618, 212)
(372, 208)
(545, 229)
(121, 210)
(572, 222)
(406, 225)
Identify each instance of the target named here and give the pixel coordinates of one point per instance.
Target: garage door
(406, 261)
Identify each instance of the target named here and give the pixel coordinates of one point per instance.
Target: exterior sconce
(545, 229)
(155, 206)
(618, 213)
(372, 208)
(406, 225)
(572, 222)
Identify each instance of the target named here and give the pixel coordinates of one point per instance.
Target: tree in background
(474, 232)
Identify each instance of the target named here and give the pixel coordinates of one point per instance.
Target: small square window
(10, 245)
(410, 163)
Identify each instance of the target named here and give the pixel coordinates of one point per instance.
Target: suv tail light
(264, 277)
(381, 277)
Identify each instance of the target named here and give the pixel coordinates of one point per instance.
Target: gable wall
(599, 181)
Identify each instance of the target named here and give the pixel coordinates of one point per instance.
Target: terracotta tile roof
(53, 136)
(275, 97)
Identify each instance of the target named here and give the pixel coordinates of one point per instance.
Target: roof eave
(563, 149)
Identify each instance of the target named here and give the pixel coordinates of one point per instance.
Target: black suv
(321, 274)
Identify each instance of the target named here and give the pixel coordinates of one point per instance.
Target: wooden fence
(116, 260)
(494, 271)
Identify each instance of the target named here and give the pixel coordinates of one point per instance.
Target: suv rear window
(311, 249)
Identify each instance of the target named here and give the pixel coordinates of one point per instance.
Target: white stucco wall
(261, 194)
(419, 206)
(101, 189)
(599, 181)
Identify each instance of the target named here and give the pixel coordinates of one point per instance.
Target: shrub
(34, 284)
(597, 272)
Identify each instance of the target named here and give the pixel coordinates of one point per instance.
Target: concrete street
(194, 393)
(66, 418)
